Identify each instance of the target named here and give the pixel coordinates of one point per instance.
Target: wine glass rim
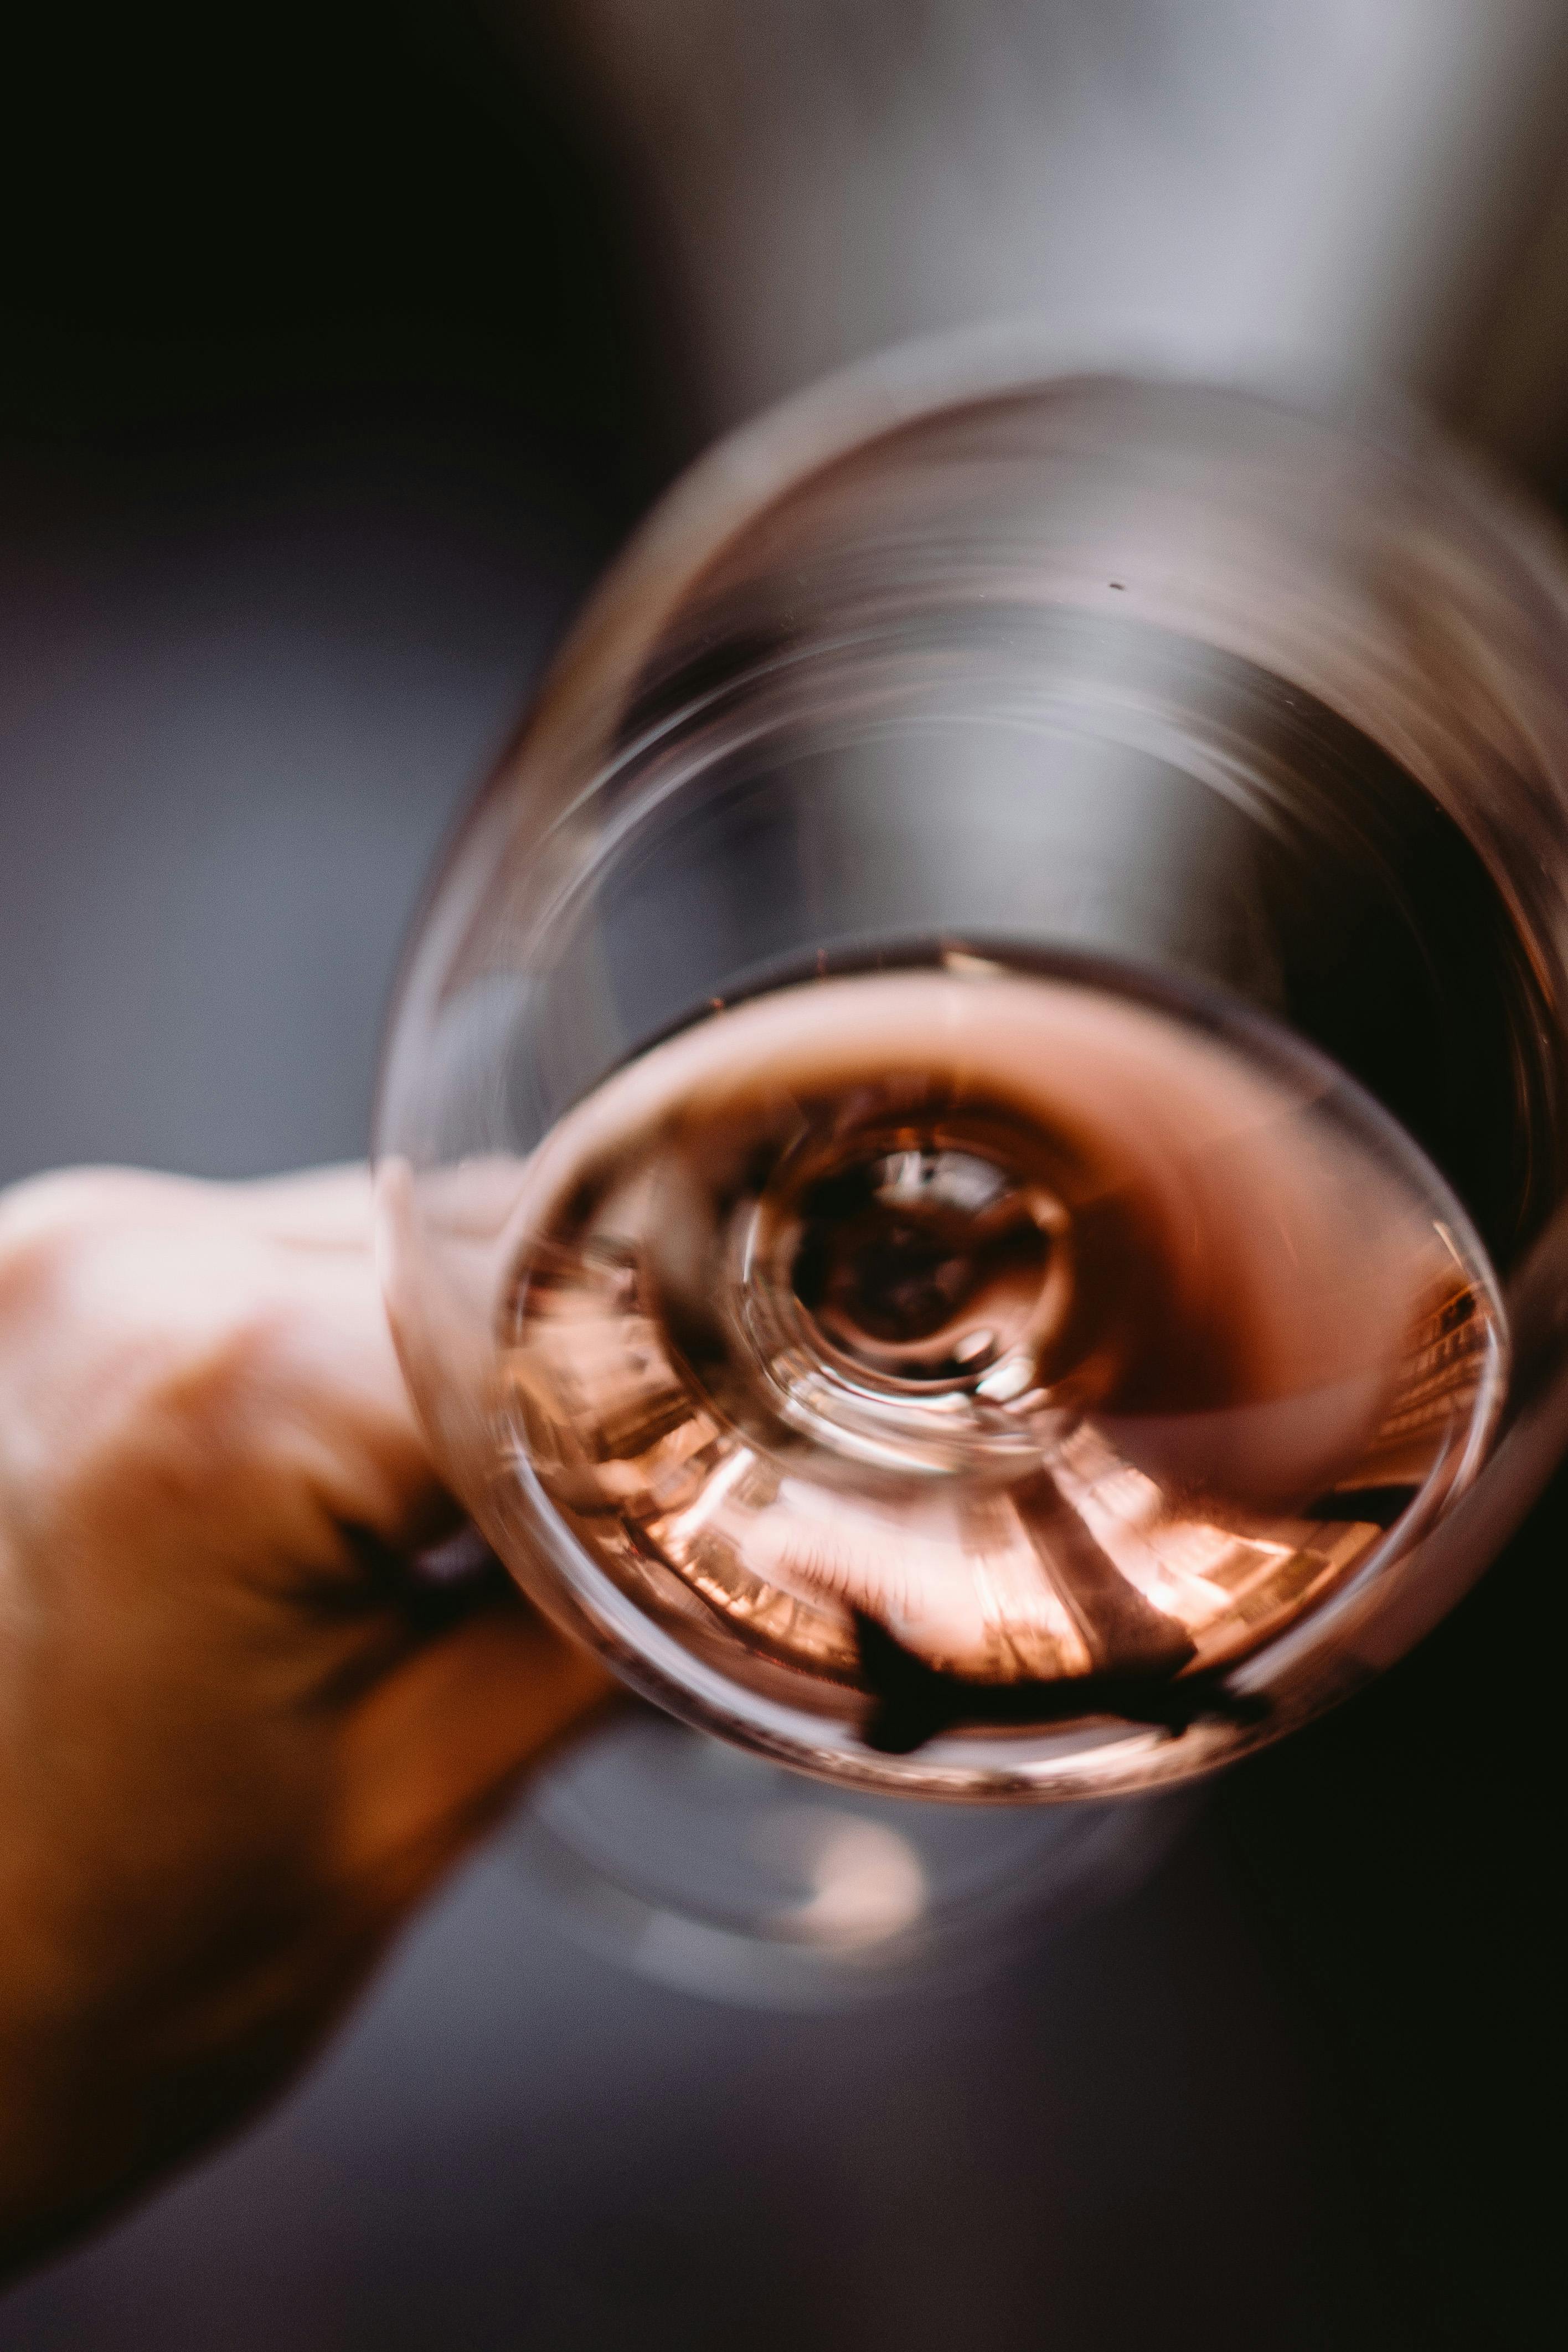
(747, 470)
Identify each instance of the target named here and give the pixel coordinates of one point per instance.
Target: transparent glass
(971, 1149)
(705, 1866)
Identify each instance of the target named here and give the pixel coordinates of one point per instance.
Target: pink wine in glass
(979, 1342)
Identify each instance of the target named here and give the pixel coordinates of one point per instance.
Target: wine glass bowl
(972, 1147)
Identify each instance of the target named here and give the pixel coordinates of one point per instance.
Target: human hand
(240, 1737)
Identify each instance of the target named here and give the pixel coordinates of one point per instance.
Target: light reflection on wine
(969, 1344)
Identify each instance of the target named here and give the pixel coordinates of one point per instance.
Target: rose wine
(978, 1341)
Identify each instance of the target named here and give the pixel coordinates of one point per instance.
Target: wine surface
(972, 1343)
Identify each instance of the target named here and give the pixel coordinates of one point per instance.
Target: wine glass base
(713, 1871)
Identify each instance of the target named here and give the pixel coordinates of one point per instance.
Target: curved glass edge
(1361, 1631)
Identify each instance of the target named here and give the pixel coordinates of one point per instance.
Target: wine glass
(971, 1146)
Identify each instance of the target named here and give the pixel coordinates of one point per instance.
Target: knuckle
(130, 1324)
(46, 1220)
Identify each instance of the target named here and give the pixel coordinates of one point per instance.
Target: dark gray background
(325, 387)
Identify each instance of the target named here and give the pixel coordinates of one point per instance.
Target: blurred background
(341, 344)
